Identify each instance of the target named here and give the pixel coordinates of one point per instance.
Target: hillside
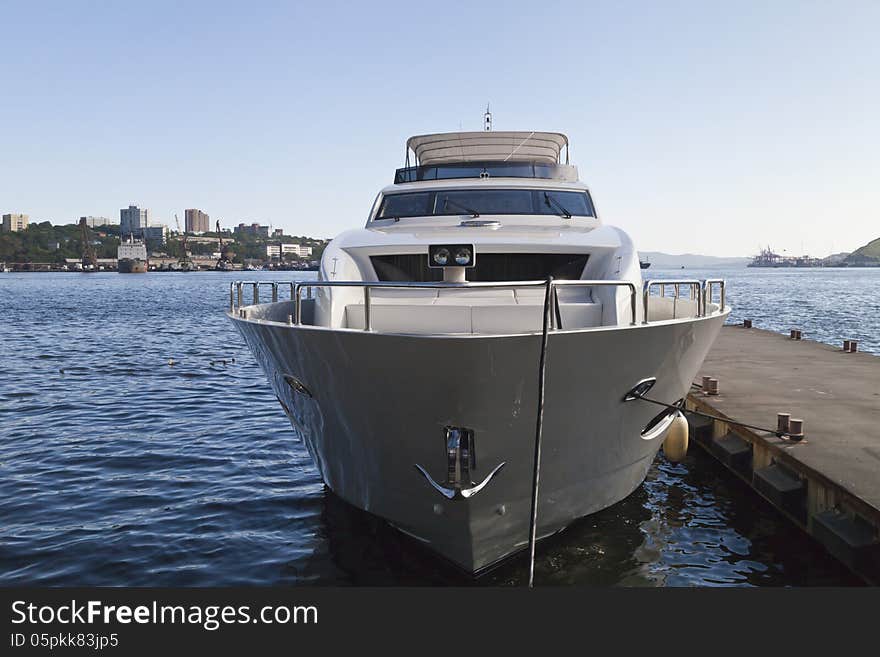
(868, 255)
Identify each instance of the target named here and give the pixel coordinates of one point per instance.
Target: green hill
(868, 255)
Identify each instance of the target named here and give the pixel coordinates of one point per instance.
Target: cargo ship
(131, 257)
(767, 258)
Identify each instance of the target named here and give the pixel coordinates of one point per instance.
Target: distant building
(15, 222)
(254, 229)
(197, 221)
(279, 232)
(133, 220)
(278, 250)
(94, 222)
(155, 235)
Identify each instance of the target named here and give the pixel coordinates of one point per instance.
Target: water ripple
(117, 468)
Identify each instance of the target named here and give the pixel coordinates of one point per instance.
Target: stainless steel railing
(708, 286)
(700, 291)
(695, 286)
(236, 292)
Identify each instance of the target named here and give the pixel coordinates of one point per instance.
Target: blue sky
(701, 127)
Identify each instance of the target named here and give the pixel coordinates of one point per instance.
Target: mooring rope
(536, 472)
(776, 432)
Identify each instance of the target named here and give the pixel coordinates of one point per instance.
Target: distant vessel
(644, 264)
(131, 257)
(767, 258)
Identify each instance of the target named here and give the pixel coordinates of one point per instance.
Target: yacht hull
(370, 407)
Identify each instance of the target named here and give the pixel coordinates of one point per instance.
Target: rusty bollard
(796, 429)
(783, 422)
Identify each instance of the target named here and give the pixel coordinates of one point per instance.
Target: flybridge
(487, 155)
(486, 146)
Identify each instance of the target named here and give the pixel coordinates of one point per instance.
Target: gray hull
(371, 406)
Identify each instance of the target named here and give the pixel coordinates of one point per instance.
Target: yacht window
(575, 203)
(405, 205)
(486, 201)
(512, 169)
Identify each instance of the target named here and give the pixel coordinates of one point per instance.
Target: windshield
(486, 201)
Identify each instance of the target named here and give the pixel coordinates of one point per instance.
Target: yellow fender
(675, 445)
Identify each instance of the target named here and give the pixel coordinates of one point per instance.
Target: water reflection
(118, 469)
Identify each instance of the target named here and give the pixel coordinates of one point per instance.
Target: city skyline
(700, 129)
(96, 221)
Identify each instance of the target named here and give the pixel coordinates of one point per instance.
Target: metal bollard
(846, 345)
(713, 387)
(798, 334)
(747, 323)
(705, 383)
(783, 422)
(796, 429)
(853, 346)
(793, 333)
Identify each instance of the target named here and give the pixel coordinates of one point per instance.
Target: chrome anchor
(461, 458)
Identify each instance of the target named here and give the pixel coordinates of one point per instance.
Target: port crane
(184, 262)
(89, 259)
(225, 261)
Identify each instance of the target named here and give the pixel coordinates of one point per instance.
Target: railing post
(274, 292)
(256, 293)
(367, 322)
(238, 286)
(294, 293)
(633, 302)
(232, 297)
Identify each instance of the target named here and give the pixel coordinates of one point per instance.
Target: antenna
(487, 119)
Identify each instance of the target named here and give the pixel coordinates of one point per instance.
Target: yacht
(484, 306)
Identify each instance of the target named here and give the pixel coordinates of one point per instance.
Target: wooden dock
(828, 483)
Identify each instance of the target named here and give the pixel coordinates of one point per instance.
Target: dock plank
(837, 395)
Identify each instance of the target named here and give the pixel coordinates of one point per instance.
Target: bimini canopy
(488, 146)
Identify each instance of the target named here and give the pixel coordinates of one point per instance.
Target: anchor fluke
(461, 458)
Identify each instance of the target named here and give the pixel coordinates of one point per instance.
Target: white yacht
(412, 367)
